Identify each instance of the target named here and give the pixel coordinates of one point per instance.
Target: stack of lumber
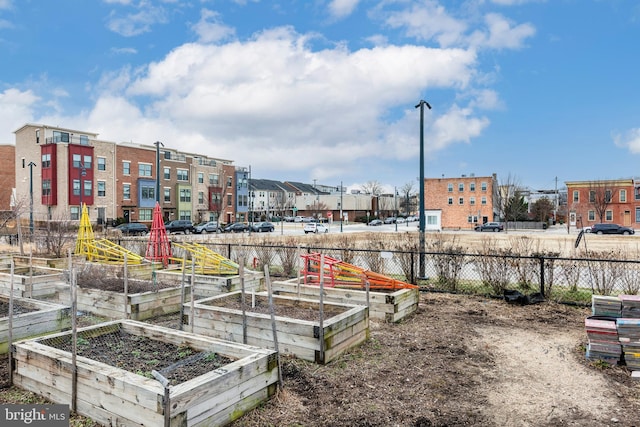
(629, 337)
(603, 339)
(630, 306)
(603, 305)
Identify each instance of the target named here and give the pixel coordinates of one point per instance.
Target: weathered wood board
(47, 318)
(385, 306)
(208, 285)
(295, 336)
(113, 396)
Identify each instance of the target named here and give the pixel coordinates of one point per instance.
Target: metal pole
(421, 185)
(395, 200)
(31, 165)
(341, 208)
(158, 144)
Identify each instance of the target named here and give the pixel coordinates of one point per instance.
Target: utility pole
(555, 205)
(158, 144)
(421, 185)
(395, 201)
(341, 208)
(31, 165)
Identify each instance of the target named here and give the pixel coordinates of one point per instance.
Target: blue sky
(531, 90)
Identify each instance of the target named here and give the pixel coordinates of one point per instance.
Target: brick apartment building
(618, 201)
(116, 180)
(7, 176)
(464, 201)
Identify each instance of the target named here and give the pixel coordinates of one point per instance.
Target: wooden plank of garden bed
(355, 340)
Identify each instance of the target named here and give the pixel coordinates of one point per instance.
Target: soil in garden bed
(301, 310)
(114, 284)
(141, 355)
(17, 308)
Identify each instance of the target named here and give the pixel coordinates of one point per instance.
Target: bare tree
(600, 197)
(372, 187)
(407, 191)
(507, 195)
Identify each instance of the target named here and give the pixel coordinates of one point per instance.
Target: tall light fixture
(341, 208)
(31, 165)
(158, 144)
(395, 202)
(421, 104)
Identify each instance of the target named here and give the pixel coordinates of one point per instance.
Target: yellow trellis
(206, 261)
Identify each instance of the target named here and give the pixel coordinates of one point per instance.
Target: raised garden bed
(297, 324)
(37, 282)
(31, 318)
(386, 306)
(211, 382)
(209, 285)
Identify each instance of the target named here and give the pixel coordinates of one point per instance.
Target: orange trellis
(158, 247)
(340, 274)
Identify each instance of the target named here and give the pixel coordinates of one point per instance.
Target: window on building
(147, 192)
(200, 178)
(472, 186)
(483, 186)
(213, 179)
(182, 174)
(102, 189)
(608, 215)
(450, 188)
(126, 191)
(461, 200)
(75, 212)
(483, 200)
(185, 195)
(87, 162)
(576, 196)
(185, 215)
(77, 158)
(623, 196)
(472, 219)
(450, 201)
(126, 168)
(76, 187)
(637, 193)
(461, 187)
(102, 164)
(144, 214)
(60, 136)
(46, 161)
(144, 169)
(46, 187)
(201, 197)
(607, 196)
(472, 200)
(167, 194)
(432, 220)
(591, 215)
(88, 188)
(229, 200)
(84, 140)
(229, 181)
(167, 173)
(637, 214)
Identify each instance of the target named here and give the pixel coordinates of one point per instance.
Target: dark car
(236, 227)
(133, 228)
(376, 222)
(179, 226)
(611, 229)
(207, 227)
(490, 226)
(262, 226)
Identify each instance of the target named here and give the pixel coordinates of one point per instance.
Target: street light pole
(395, 201)
(341, 208)
(421, 104)
(158, 144)
(31, 165)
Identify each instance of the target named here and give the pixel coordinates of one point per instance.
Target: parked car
(412, 218)
(180, 226)
(490, 226)
(390, 220)
(315, 227)
(587, 229)
(262, 226)
(375, 222)
(289, 219)
(236, 227)
(611, 229)
(133, 228)
(207, 227)
(400, 220)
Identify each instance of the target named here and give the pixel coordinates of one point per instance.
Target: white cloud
(342, 8)
(501, 33)
(133, 24)
(16, 106)
(629, 140)
(210, 28)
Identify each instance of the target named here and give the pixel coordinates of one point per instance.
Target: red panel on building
(49, 167)
(81, 171)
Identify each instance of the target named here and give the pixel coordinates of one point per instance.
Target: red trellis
(158, 248)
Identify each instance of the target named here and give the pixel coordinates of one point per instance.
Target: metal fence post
(542, 276)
